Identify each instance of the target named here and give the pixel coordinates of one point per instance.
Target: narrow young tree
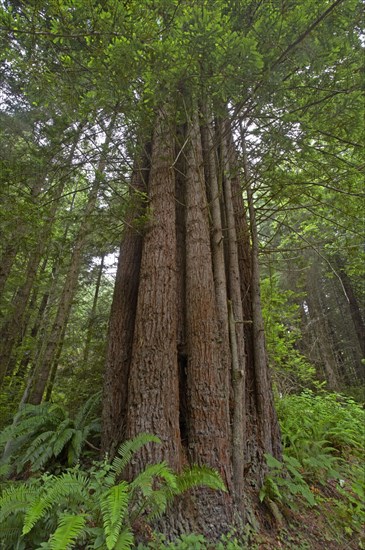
(46, 360)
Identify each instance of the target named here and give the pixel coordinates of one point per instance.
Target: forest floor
(325, 527)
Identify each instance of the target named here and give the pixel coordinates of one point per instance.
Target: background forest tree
(219, 142)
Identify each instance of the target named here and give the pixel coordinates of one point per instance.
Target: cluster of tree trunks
(332, 326)
(39, 365)
(186, 357)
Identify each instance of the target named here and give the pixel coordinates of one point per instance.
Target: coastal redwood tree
(186, 351)
(179, 365)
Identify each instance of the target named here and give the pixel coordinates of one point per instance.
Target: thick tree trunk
(153, 390)
(214, 191)
(208, 414)
(192, 328)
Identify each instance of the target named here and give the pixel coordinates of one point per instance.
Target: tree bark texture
(122, 316)
(181, 359)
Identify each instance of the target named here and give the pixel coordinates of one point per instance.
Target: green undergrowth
(54, 495)
(322, 473)
(231, 541)
(46, 437)
(93, 508)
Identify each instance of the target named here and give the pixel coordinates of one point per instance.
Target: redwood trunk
(208, 416)
(193, 312)
(122, 318)
(153, 390)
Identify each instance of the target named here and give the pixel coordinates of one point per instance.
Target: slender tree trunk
(17, 372)
(6, 263)
(354, 307)
(23, 366)
(266, 410)
(236, 326)
(322, 341)
(53, 370)
(40, 329)
(349, 353)
(91, 323)
(12, 247)
(43, 368)
(13, 327)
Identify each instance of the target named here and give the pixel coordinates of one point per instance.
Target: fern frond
(34, 513)
(5, 469)
(58, 490)
(75, 447)
(70, 527)
(144, 480)
(129, 448)
(114, 505)
(17, 499)
(197, 476)
(7, 433)
(27, 427)
(38, 452)
(157, 503)
(10, 532)
(87, 408)
(47, 413)
(125, 540)
(62, 436)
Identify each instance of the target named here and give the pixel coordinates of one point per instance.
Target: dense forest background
(100, 102)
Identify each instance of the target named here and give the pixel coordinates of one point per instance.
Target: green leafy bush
(319, 430)
(94, 507)
(285, 482)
